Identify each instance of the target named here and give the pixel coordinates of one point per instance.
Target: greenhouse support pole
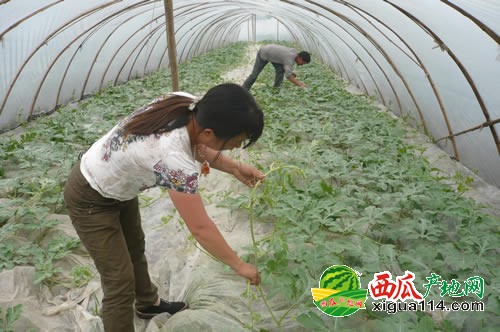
(172, 50)
(254, 28)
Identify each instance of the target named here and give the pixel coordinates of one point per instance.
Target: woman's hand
(191, 209)
(248, 174)
(249, 272)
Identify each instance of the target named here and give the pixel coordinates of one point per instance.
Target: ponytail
(228, 109)
(161, 115)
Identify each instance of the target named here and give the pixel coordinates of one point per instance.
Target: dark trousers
(258, 67)
(112, 233)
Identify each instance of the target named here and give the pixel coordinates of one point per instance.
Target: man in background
(283, 59)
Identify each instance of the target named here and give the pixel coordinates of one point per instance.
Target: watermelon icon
(339, 278)
(340, 292)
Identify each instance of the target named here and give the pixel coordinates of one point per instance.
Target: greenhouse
(367, 199)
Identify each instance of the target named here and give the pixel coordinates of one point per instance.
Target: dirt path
(238, 75)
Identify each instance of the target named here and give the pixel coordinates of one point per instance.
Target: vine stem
(193, 241)
(289, 309)
(254, 243)
(263, 297)
(272, 169)
(250, 305)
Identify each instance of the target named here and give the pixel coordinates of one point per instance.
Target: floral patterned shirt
(120, 167)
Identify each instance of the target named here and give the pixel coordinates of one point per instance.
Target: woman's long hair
(228, 109)
(161, 115)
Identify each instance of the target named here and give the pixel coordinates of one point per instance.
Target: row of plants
(346, 188)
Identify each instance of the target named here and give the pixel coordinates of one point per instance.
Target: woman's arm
(247, 174)
(192, 210)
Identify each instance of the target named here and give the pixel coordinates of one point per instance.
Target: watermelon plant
(366, 199)
(12, 314)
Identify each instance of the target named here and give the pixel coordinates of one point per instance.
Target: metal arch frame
(480, 24)
(190, 37)
(212, 5)
(177, 31)
(184, 36)
(341, 62)
(216, 25)
(160, 27)
(357, 57)
(144, 44)
(196, 45)
(419, 63)
(291, 30)
(102, 24)
(466, 74)
(112, 58)
(340, 58)
(88, 13)
(98, 53)
(43, 43)
(152, 50)
(354, 8)
(113, 16)
(125, 62)
(143, 41)
(343, 67)
(486, 29)
(95, 58)
(383, 53)
(27, 17)
(222, 39)
(234, 27)
(360, 44)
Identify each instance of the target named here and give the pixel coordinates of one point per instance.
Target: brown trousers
(112, 233)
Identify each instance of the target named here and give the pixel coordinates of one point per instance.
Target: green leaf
(311, 320)
(425, 324)
(13, 314)
(326, 188)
